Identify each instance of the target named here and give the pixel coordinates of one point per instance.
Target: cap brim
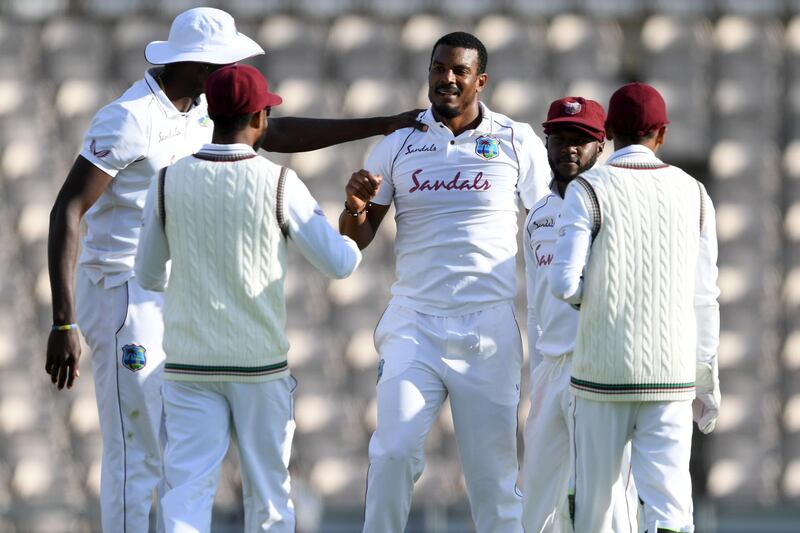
(273, 100)
(242, 47)
(565, 122)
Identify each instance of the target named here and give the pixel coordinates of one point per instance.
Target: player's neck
(468, 120)
(181, 94)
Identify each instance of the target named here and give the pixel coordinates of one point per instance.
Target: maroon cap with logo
(636, 109)
(238, 90)
(577, 112)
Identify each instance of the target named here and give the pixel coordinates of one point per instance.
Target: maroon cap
(636, 109)
(577, 112)
(238, 90)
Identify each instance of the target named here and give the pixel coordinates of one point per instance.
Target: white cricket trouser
(201, 417)
(475, 359)
(123, 327)
(549, 452)
(660, 434)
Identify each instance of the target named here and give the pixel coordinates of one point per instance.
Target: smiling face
(454, 81)
(571, 152)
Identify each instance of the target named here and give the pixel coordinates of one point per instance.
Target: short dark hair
(228, 125)
(634, 139)
(462, 39)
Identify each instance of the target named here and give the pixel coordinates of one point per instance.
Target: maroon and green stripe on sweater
(613, 389)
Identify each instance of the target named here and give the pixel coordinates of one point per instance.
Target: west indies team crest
(487, 147)
(133, 357)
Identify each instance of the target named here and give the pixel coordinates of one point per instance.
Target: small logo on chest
(411, 149)
(168, 134)
(547, 222)
(487, 147)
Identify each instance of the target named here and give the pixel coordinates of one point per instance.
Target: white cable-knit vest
(636, 334)
(224, 311)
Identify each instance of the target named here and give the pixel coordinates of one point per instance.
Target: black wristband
(355, 213)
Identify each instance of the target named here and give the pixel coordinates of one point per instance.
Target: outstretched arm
(293, 134)
(83, 186)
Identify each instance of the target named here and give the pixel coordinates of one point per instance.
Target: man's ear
(256, 119)
(661, 135)
(482, 79)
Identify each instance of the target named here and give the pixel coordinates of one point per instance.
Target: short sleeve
(379, 161)
(114, 140)
(534, 170)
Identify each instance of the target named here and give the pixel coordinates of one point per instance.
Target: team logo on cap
(572, 108)
(487, 147)
(133, 357)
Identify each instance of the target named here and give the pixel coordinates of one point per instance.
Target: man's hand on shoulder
(407, 119)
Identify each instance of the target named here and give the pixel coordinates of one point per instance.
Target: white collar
(161, 97)
(631, 150)
(483, 128)
(237, 148)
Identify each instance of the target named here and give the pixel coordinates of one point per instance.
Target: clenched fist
(360, 189)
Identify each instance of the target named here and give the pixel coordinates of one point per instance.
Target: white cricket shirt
(552, 323)
(131, 139)
(456, 209)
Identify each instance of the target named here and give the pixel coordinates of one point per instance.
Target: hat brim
(565, 122)
(217, 53)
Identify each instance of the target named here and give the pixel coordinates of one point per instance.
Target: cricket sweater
(637, 333)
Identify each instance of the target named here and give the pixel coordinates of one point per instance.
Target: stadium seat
(476, 9)
(248, 9)
(513, 48)
(619, 9)
(525, 100)
(417, 37)
(296, 48)
(363, 48)
(35, 10)
(74, 48)
(581, 48)
(747, 47)
(540, 8)
(755, 8)
(19, 53)
(683, 7)
(111, 9)
(324, 9)
(392, 9)
(128, 40)
(678, 50)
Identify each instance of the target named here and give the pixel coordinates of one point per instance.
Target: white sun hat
(202, 35)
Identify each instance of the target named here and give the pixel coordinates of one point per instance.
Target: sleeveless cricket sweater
(636, 333)
(224, 310)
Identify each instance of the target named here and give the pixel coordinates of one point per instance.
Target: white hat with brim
(202, 35)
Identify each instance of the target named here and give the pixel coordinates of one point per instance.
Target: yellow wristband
(64, 327)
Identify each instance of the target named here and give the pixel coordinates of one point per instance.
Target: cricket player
(450, 328)
(157, 121)
(637, 252)
(575, 135)
(223, 216)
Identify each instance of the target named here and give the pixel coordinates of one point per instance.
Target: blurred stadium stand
(729, 70)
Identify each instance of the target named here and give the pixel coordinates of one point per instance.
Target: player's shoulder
(505, 124)
(130, 109)
(547, 203)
